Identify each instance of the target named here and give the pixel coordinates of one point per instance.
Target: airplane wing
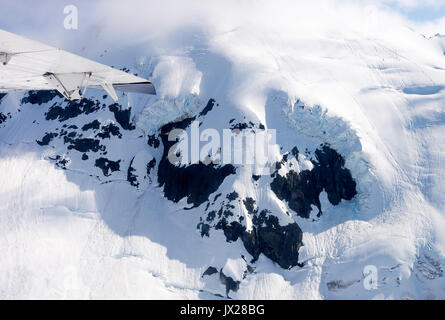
(29, 65)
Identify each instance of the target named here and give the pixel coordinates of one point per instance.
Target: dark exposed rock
(2, 118)
(153, 141)
(243, 126)
(225, 211)
(231, 285)
(240, 126)
(60, 161)
(256, 177)
(250, 269)
(278, 243)
(40, 97)
(195, 182)
(336, 179)
(107, 165)
(106, 131)
(249, 203)
(209, 271)
(267, 236)
(72, 109)
(2, 95)
(84, 157)
(47, 139)
(109, 130)
(211, 216)
(92, 125)
(122, 116)
(131, 177)
(217, 196)
(301, 190)
(208, 107)
(285, 157)
(232, 196)
(84, 144)
(204, 228)
(232, 231)
(150, 165)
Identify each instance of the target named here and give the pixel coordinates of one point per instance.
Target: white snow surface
(361, 80)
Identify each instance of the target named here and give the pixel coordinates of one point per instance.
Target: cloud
(166, 26)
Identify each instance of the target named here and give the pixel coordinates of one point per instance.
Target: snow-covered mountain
(90, 206)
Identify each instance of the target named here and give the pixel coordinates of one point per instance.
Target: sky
(414, 10)
(418, 11)
(119, 21)
(424, 14)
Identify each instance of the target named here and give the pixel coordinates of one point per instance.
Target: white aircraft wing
(29, 65)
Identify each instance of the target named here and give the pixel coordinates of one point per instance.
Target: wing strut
(110, 90)
(69, 84)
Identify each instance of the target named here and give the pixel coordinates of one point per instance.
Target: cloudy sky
(418, 10)
(118, 24)
(19, 13)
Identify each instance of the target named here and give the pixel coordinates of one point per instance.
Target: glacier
(82, 215)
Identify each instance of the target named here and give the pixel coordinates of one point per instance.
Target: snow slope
(362, 81)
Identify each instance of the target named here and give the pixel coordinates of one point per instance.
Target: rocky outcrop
(107, 165)
(268, 237)
(40, 97)
(131, 177)
(196, 182)
(46, 139)
(122, 116)
(302, 190)
(229, 283)
(72, 109)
